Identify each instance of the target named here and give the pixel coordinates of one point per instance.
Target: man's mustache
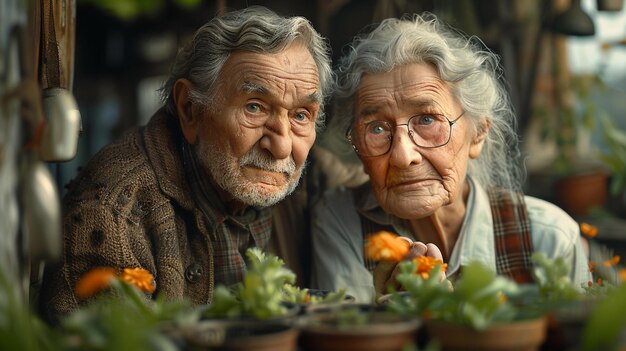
(259, 159)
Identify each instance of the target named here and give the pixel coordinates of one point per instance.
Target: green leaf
(262, 292)
(607, 321)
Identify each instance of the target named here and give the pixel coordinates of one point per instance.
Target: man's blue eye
(254, 108)
(300, 117)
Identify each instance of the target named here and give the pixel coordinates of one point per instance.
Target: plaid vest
(512, 238)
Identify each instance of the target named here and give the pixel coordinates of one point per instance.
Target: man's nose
(277, 136)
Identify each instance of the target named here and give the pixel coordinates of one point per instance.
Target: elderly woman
(430, 119)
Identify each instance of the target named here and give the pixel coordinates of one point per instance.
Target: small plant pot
(578, 194)
(241, 335)
(526, 335)
(370, 329)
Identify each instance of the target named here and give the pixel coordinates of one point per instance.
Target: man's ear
(479, 139)
(188, 117)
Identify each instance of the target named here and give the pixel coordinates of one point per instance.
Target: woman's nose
(403, 151)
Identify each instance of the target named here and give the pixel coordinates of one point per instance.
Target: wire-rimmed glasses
(428, 130)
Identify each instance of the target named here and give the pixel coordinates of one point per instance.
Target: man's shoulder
(119, 169)
(122, 152)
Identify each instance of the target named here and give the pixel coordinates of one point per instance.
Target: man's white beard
(227, 173)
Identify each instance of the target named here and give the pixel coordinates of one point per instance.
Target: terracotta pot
(527, 335)
(378, 331)
(241, 335)
(578, 194)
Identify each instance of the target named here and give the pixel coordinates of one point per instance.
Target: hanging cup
(63, 124)
(41, 210)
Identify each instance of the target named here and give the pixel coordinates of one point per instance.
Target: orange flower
(94, 281)
(622, 275)
(592, 266)
(612, 262)
(386, 246)
(140, 278)
(589, 230)
(425, 264)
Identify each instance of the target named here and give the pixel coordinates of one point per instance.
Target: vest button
(193, 273)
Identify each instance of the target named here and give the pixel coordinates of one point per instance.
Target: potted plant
(327, 320)
(266, 303)
(581, 179)
(588, 181)
(356, 327)
(481, 310)
(606, 326)
(268, 292)
(615, 157)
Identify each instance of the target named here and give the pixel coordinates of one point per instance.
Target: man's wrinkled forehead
(251, 87)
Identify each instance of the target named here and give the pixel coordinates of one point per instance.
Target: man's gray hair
(255, 29)
(471, 71)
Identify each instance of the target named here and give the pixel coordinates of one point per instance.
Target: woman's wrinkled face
(411, 181)
(255, 139)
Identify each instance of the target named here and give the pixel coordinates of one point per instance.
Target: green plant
(615, 157)
(120, 317)
(260, 293)
(17, 319)
(266, 289)
(480, 298)
(125, 320)
(607, 322)
(576, 112)
(294, 294)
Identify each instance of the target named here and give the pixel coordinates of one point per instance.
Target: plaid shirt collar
(230, 235)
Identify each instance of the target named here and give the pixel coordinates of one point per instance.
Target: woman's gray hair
(255, 29)
(471, 71)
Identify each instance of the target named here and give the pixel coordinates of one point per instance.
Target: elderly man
(186, 195)
(432, 124)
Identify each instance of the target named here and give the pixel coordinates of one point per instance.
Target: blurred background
(565, 61)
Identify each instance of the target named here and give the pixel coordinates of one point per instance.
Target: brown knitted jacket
(130, 207)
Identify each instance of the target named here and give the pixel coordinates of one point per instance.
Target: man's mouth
(269, 177)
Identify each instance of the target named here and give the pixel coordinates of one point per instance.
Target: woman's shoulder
(548, 218)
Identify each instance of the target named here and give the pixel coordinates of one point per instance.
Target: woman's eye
(377, 128)
(426, 119)
(253, 108)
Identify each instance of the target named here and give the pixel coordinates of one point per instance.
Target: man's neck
(233, 207)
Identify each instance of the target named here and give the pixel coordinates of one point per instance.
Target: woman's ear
(187, 117)
(479, 139)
